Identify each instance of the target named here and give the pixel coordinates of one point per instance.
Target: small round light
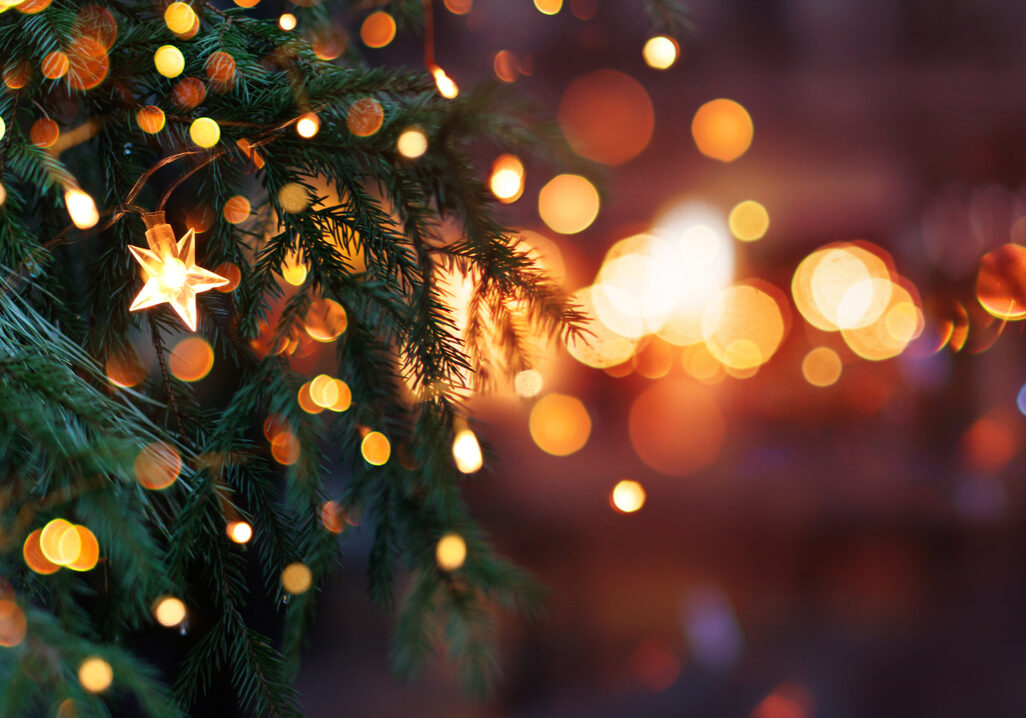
(412, 143)
(169, 611)
(451, 552)
(179, 18)
(296, 578)
(627, 496)
(239, 531)
(660, 52)
(205, 132)
(169, 61)
(95, 674)
(287, 22)
(308, 125)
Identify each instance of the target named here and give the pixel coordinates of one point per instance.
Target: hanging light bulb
(81, 208)
(446, 86)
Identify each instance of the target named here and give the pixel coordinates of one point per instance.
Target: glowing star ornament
(171, 272)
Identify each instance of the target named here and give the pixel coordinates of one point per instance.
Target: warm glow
(607, 116)
(95, 674)
(157, 466)
(627, 496)
(81, 209)
(169, 61)
(504, 64)
(236, 211)
(220, 68)
(896, 326)
(12, 624)
(325, 320)
(378, 29)
(412, 143)
(54, 65)
(743, 327)
(191, 359)
(597, 346)
(3, 128)
(286, 22)
(88, 551)
(375, 448)
(239, 531)
(528, 383)
(205, 132)
(44, 132)
(169, 611)
(660, 52)
(333, 517)
(506, 185)
(842, 286)
(306, 402)
(285, 448)
(34, 557)
(548, 7)
(179, 18)
(1001, 282)
(568, 204)
(447, 88)
(123, 369)
(459, 7)
(467, 452)
(188, 93)
(150, 119)
(16, 76)
(296, 578)
(722, 130)
(293, 269)
(676, 427)
(293, 197)
(748, 221)
(51, 541)
(451, 552)
(308, 125)
(560, 424)
(821, 367)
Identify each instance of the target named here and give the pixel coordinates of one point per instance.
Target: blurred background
(807, 363)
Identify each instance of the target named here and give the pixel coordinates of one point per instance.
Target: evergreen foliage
(69, 438)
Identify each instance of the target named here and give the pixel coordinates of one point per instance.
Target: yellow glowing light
(239, 531)
(459, 7)
(3, 128)
(179, 18)
(559, 424)
(81, 209)
(89, 551)
(69, 546)
(308, 125)
(821, 367)
(528, 383)
(157, 466)
(95, 674)
(722, 130)
(205, 132)
(627, 496)
(467, 452)
(35, 559)
(748, 221)
(236, 210)
(568, 204)
(325, 320)
(888, 336)
(660, 52)
(345, 397)
(172, 275)
(293, 269)
(293, 197)
(548, 7)
(169, 611)
(306, 402)
(676, 427)
(412, 143)
(506, 185)
(51, 538)
(285, 448)
(375, 448)
(450, 552)
(296, 578)
(447, 87)
(324, 390)
(191, 359)
(150, 119)
(743, 327)
(842, 286)
(169, 61)
(286, 22)
(12, 624)
(599, 346)
(378, 29)
(1000, 283)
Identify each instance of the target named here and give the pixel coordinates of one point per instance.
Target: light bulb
(81, 208)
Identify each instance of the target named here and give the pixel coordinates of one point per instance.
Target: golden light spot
(230, 272)
(528, 383)
(821, 367)
(191, 359)
(328, 44)
(375, 448)
(450, 552)
(54, 65)
(345, 397)
(467, 452)
(236, 210)
(365, 116)
(722, 130)
(247, 3)
(333, 517)
(95, 674)
(459, 7)
(568, 204)
(296, 578)
(507, 180)
(31, 7)
(324, 390)
(67, 709)
(293, 269)
(308, 125)
(293, 197)
(88, 551)
(69, 546)
(188, 93)
(150, 119)
(239, 531)
(842, 286)
(157, 466)
(12, 624)
(676, 427)
(81, 209)
(325, 320)
(638, 286)
(660, 52)
(559, 424)
(607, 117)
(598, 346)
(220, 69)
(285, 448)
(306, 402)
(204, 132)
(627, 496)
(748, 221)
(87, 62)
(505, 66)
(169, 61)
(34, 557)
(44, 132)
(123, 369)
(378, 29)
(286, 22)
(447, 87)
(179, 18)
(51, 537)
(1001, 282)
(899, 323)
(743, 327)
(548, 7)
(169, 611)
(654, 360)
(16, 76)
(412, 143)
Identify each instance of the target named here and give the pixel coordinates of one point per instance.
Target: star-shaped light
(171, 273)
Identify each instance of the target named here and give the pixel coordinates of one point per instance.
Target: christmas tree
(190, 187)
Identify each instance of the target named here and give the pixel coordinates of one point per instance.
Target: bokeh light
(169, 61)
(507, 179)
(548, 7)
(296, 578)
(412, 143)
(821, 367)
(676, 427)
(450, 552)
(88, 550)
(376, 448)
(447, 87)
(191, 359)
(123, 369)
(239, 531)
(204, 132)
(1001, 282)
(627, 496)
(560, 424)
(467, 452)
(54, 65)
(900, 322)
(568, 204)
(459, 7)
(81, 209)
(293, 198)
(150, 119)
(529, 382)
(743, 326)
(842, 286)
(220, 68)
(660, 52)
(597, 346)
(285, 448)
(308, 125)
(722, 130)
(179, 18)
(607, 117)
(364, 117)
(13, 625)
(169, 611)
(95, 674)
(33, 554)
(157, 466)
(44, 132)
(748, 221)
(378, 29)
(287, 21)
(325, 320)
